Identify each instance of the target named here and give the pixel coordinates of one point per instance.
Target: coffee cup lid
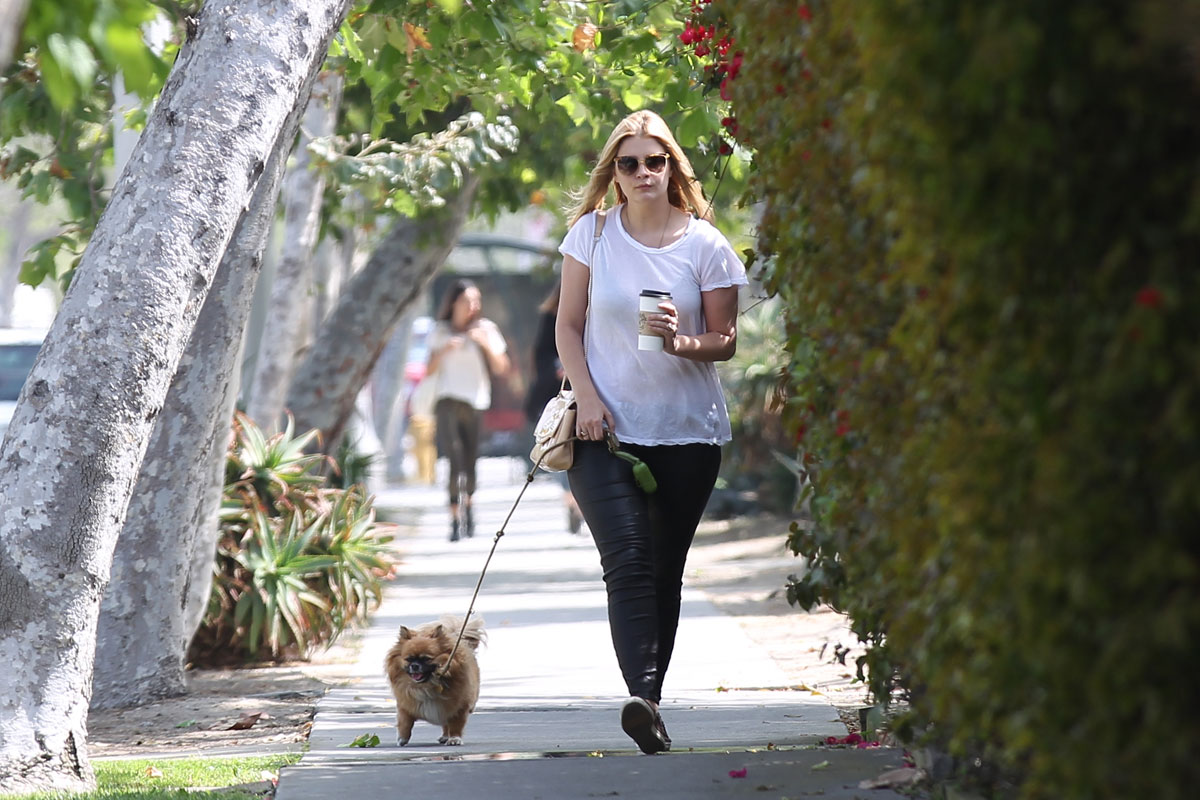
(655, 293)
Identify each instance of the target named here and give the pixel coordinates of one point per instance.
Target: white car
(18, 349)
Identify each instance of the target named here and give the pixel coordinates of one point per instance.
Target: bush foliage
(297, 562)
(984, 222)
(758, 458)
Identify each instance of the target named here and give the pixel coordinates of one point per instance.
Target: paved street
(547, 721)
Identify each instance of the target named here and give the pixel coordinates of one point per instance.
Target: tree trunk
(162, 566)
(76, 442)
(10, 271)
(303, 194)
(12, 18)
(327, 382)
(389, 388)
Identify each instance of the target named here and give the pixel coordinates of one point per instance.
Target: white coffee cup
(648, 302)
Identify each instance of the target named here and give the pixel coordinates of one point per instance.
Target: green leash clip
(642, 475)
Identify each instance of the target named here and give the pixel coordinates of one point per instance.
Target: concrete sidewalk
(547, 721)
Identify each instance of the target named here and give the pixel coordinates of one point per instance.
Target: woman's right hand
(592, 417)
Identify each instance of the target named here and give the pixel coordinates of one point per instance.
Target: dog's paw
(452, 741)
(400, 741)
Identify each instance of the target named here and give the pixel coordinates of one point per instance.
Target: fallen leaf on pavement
(738, 773)
(247, 721)
(366, 740)
(822, 765)
(904, 776)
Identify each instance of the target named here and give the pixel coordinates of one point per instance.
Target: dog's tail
(474, 634)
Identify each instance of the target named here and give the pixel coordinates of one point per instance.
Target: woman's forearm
(709, 346)
(569, 340)
(497, 361)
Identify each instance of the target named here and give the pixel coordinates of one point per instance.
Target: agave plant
(279, 603)
(351, 536)
(296, 562)
(278, 469)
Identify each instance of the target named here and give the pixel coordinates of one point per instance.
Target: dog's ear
(438, 632)
(405, 633)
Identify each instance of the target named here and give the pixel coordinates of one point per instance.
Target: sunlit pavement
(547, 721)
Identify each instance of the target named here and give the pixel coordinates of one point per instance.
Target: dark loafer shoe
(640, 721)
(662, 729)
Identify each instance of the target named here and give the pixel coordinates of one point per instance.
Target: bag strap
(601, 216)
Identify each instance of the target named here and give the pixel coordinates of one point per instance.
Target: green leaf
(59, 86)
(366, 740)
(696, 124)
(633, 99)
(42, 262)
(73, 55)
(573, 108)
(128, 49)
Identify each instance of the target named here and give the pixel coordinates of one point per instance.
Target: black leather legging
(458, 439)
(643, 542)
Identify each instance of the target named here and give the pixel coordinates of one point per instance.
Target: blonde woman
(666, 407)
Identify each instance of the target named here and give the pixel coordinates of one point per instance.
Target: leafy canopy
(562, 73)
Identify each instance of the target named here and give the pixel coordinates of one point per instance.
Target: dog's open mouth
(420, 671)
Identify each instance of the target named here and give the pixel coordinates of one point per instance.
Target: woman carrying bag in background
(665, 405)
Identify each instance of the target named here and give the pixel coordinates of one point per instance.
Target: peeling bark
(304, 190)
(82, 424)
(162, 566)
(12, 17)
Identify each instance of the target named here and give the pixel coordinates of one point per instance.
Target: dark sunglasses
(655, 163)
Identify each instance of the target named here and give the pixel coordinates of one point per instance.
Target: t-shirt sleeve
(495, 337)
(437, 337)
(722, 268)
(578, 242)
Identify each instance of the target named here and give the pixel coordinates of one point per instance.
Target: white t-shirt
(655, 398)
(462, 372)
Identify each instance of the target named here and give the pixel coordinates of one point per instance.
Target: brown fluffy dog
(424, 687)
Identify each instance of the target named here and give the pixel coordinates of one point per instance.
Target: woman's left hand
(666, 325)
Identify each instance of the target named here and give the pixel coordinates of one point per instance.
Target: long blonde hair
(683, 190)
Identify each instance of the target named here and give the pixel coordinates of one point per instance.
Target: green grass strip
(150, 779)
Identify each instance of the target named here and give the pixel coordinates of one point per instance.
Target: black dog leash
(495, 541)
(641, 475)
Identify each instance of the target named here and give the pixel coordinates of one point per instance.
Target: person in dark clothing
(663, 402)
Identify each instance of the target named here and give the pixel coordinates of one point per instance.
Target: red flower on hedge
(735, 65)
(1149, 297)
(805, 13)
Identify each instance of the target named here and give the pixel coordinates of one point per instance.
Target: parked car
(18, 349)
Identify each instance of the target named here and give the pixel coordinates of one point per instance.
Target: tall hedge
(984, 220)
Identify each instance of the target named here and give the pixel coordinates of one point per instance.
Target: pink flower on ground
(737, 773)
